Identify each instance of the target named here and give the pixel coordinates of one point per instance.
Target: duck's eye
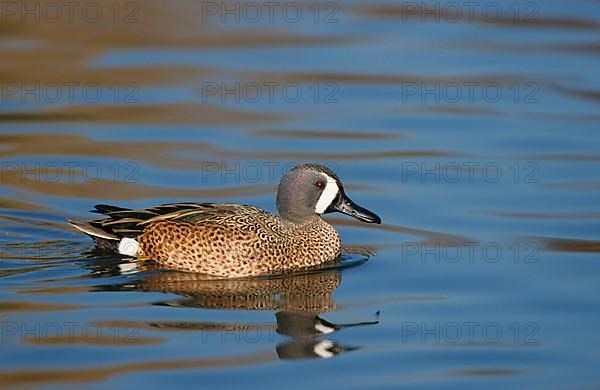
(320, 185)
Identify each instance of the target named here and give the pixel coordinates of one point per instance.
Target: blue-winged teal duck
(234, 240)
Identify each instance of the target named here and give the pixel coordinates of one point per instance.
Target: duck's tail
(106, 234)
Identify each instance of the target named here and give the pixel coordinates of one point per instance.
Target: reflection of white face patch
(328, 195)
(322, 328)
(321, 349)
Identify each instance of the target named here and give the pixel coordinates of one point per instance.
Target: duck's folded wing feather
(130, 223)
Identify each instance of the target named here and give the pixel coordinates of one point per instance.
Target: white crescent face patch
(328, 195)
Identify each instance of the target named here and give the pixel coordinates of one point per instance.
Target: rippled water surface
(473, 135)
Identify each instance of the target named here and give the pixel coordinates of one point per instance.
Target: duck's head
(309, 189)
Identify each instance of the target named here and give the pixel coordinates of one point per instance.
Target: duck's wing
(123, 222)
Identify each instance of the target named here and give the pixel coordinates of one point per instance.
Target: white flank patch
(128, 246)
(324, 329)
(322, 349)
(327, 196)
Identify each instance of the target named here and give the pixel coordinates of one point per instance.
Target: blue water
(475, 139)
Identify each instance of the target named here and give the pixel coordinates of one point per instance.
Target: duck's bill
(345, 205)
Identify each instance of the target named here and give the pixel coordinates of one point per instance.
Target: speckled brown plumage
(223, 239)
(234, 240)
(239, 241)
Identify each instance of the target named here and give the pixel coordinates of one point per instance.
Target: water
(474, 137)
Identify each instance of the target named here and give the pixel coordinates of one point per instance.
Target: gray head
(311, 189)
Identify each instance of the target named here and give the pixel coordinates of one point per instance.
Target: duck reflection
(297, 299)
(305, 331)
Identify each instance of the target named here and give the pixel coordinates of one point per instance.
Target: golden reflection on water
(190, 156)
(180, 114)
(37, 377)
(571, 245)
(484, 373)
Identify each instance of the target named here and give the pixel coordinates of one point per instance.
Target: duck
(234, 240)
